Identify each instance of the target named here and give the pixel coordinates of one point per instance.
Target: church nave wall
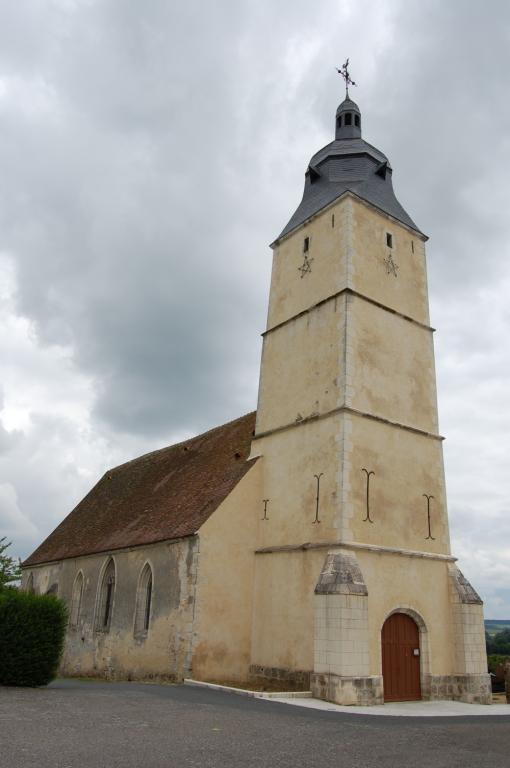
(121, 649)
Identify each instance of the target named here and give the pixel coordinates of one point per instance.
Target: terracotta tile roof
(166, 494)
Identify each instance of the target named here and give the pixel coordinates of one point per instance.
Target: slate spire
(348, 164)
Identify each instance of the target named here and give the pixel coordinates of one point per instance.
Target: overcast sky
(150, 151)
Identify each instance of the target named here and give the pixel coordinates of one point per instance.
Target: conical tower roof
(348, 164)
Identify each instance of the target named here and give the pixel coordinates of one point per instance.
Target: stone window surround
(139, 630)
(100, 595)
(76, 600)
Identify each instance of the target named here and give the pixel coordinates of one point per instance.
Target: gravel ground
(81, 724)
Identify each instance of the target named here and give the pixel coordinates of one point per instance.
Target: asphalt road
(75, 724)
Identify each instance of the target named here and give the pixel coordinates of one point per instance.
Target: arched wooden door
(401, 658)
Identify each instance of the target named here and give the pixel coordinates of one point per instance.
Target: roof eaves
(93, 553)
(324, 208)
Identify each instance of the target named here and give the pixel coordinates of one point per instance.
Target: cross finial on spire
(344, 72)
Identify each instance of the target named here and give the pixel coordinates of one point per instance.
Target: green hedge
(32, 630)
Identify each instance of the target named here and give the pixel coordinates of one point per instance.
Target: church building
(307, 543)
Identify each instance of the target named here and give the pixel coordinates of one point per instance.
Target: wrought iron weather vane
(344, 72)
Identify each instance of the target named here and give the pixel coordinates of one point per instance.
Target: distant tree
(499, 643)
(496, 663)
(10, 568)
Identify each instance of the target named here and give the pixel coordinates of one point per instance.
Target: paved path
(408, 709)
(74, 724)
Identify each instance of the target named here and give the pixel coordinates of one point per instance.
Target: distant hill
(492, 626)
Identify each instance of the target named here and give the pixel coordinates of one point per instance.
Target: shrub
(496, 662)
(32, 630)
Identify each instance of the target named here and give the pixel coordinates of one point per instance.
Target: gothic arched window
(76, 600)
(143, 601)
(106, 595)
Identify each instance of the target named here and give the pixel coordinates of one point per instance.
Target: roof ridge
(176, 445)
(163, 495)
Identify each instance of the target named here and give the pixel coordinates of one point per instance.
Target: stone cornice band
(355, 545)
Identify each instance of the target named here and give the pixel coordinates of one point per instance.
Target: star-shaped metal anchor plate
(391, 267)
(306, 266)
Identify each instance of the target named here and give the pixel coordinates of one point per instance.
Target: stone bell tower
(355, 584)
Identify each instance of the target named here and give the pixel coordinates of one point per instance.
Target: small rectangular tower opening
(389, 240)
(306, 244)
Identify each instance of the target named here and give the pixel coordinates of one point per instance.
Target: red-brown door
(401, 658)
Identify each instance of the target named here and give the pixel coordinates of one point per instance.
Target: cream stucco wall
(391, 369)
(284, 597)
(283, 628)
(310, 380)
(292, 459)
(397, 582)
(223, 612)
(328, 250)
(406, 466)
(405, 293)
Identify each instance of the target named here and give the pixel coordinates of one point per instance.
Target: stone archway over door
(400, 639)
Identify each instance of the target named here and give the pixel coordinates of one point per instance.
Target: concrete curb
(414, 709)
(253, 694)
(435, 709)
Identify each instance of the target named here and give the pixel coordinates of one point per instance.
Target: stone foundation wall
(293, 679)
(361, 691)
(472, 689)
(367, 691)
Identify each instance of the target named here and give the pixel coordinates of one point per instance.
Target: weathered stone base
(361, 691)
(293, 679)
(114, 676)
(472, 689)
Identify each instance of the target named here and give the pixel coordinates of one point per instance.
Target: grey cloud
(148, 154)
